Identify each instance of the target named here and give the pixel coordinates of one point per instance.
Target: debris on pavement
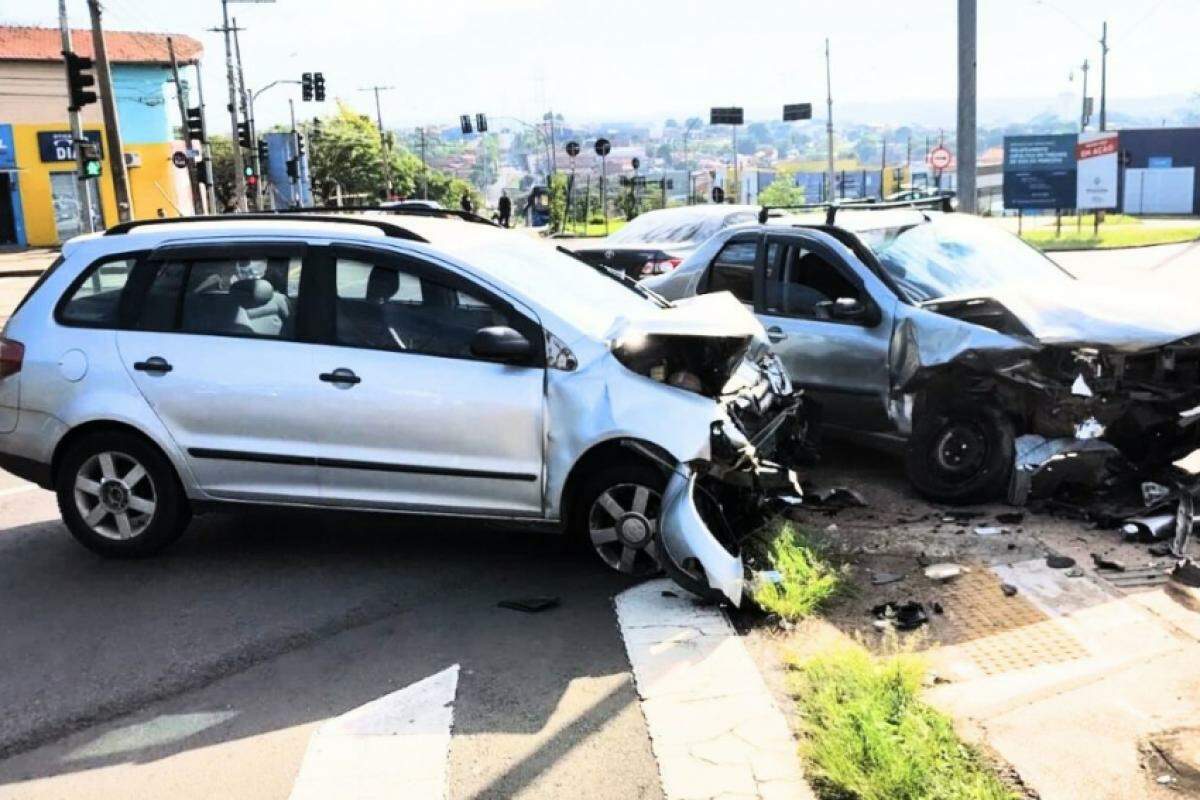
(944, 572)
(1074, 572)
(1187, 573)
(1010, 518)
(530, 605)
(1008, 589)
(988, 530)
(1104, 563)
(1057, 561)
(901, 616)
(883, 578)
(833, 499)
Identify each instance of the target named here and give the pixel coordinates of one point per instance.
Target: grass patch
(869, 736)
(1128, 235)
(595, 228)
(808, 580)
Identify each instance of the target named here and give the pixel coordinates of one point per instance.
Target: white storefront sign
(1096, 160)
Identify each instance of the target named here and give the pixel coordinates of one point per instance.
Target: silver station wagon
(386, 363)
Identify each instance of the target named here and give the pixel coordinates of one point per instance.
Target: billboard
(1040, 171)
(1096, 170)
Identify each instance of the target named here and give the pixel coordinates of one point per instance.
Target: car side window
(804, 281)
(240, 297)
(94, 301)
(383, 306)
(733, 270)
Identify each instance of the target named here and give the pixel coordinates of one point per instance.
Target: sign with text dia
(1039, 171)
(1096, 156)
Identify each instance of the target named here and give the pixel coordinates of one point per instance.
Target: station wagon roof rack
(412, 211)
(389, 228)
(938, 203)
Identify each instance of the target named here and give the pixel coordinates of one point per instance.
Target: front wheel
(961, 452)
(119, 496)
(616, 514)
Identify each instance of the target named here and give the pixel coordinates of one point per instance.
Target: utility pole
(967, 33)
(206, 151)
(553, 147)
(82, 189)
(424, 167)
(829, 121)
(239, 167)
(112, 128)
(882, 163)
(1083, 112)
(1104, 77)
(248, 113)
(383, 143)
(294, 145)
(187, 142)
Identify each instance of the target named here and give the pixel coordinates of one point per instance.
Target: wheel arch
(620, 449)
(85, 429)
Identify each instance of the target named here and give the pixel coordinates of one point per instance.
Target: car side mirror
(500, 343)
(844, 308)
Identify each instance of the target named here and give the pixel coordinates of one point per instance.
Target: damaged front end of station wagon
(1101, 387)
(695, 392)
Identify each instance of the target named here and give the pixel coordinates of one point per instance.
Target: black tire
(610, 477)
(150, 532)
(960, 452)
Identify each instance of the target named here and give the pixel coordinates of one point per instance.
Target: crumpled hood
(1127, 318)
(719, 314)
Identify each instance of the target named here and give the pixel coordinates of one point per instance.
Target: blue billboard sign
(8, 149)
(1040, 171)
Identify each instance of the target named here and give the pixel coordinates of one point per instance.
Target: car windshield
(677, 228)
(957, 255)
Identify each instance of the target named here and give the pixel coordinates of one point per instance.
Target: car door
(213, 340)
(412, 420)
(732, 268)
(836, 350)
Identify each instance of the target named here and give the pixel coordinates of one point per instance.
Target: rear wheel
(119, 496)
(616, 515)
(961, 452)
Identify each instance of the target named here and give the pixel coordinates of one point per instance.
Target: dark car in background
(656, 242)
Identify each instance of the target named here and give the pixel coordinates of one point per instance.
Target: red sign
(1096, 147)
(939, 157)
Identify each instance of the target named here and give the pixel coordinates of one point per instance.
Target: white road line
(713, 725)
(395, 747)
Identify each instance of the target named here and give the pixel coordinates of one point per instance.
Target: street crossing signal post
(603, 147)
(733, 117)
(78, 81)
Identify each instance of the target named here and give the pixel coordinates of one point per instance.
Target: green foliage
(221, 148)
(558, 201)
(868, 735)
(782, 191)
(807, 582)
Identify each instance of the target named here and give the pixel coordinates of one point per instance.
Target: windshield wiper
(621, 278)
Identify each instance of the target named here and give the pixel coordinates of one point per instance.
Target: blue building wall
(142, 102)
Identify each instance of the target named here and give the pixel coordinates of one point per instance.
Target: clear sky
(649, 59)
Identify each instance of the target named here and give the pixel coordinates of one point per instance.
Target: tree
(782, 191)
(558, 201)
(223, 172)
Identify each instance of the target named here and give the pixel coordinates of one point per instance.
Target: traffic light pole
(239, 167)
(248, 112)
(211, 192)
(187, 142)
(82, 189)
(112, 127)
(295, 146)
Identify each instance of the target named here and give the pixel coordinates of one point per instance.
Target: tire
(960, 452)
(635, 530)
(93, 482)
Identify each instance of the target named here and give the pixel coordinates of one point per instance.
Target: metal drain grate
(1000, 634)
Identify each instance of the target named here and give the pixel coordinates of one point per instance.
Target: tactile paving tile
(1000, 634)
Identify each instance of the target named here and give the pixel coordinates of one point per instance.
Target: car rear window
(93, 301)
(45, 276)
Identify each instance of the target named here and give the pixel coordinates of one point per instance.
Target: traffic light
(314, 130)
(244, 135)
(264, 151)
(293, 168)
(89, 153)
(79, 78)
(299, 145)
(319, 87)
(465, 123)
(195, 125)
(481, 123)
(306, 87)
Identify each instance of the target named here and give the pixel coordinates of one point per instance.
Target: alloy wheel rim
(115, 495)
(623, 528)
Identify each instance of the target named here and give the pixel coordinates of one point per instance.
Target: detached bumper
(690, 553)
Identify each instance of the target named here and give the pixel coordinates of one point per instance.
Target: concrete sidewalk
(27, 263)
(1108, 679)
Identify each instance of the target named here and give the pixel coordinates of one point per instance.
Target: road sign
(179, 159)
(940, 158)
(1096, 170)
(1040, 171)
(56, 146)
(572, 148)
(603, 147)
(637, 162)
(728, 115)
(797, 111)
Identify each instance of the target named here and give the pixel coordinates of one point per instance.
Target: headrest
(382, 284)
(251, 292)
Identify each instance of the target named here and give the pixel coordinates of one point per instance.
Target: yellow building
(39, 189)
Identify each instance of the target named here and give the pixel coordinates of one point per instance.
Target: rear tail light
(660, 266)
(12, 354)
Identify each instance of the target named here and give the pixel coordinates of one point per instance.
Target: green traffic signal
(91, 169)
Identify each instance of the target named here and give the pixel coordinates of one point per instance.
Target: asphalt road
(203, 672)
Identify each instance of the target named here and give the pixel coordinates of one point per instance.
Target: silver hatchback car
(430, 366)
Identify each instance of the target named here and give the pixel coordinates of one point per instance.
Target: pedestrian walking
(505, 208)
(466, 204)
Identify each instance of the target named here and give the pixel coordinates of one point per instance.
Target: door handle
(776, 334)
(341, 375)
(154, 365)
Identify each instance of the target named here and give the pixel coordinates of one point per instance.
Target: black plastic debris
(668, 593)
(1106, 563)
(961, 516)
(1008, 589)
(882, 578)
(530, 605)
(1010, 518)
(1187, 573)
(1160, 550)
(903, 617)
(834, 499)
(937, 607)
(1056, 561)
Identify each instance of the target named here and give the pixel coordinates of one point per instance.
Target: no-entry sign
(939, 158)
